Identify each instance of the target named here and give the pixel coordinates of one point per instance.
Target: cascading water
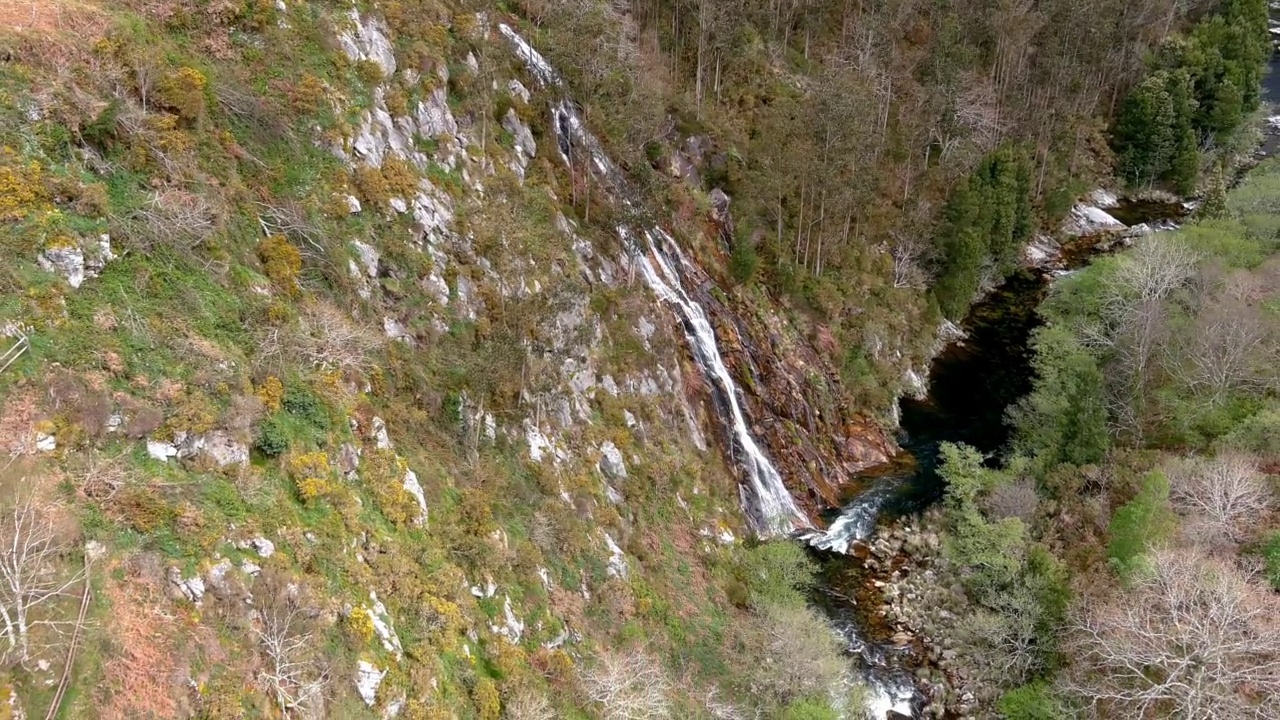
(769, 504)
(765, 499)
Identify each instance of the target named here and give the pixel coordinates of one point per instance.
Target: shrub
(1138, 523)
(1034, 701)
(1271, 560)
(183, 92)
(777, 573)
(143, 510)
(282, 262)
(383, 472)
(273, 438)
(743, 261)
(369, 72)
(308, 95)
(371, 186)
(360, 625)
(485, 697)
(21, 186)
(271, 393)
(401, 178)
(305, 405)
(809, 709)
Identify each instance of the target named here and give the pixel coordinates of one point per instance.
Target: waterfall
(766, 501)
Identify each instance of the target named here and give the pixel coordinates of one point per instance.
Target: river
(972, 382)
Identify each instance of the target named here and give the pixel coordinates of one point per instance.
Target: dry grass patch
(142, 678)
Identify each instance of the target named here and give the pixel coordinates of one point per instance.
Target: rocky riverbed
(913, 600)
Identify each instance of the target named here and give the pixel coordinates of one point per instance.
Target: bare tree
(34, 549)
(628, 685)
(1230, 346)
(907, 251)
(525, 703)
(1133, 318)
(286, 629)
(1013, 499)
(1194, 640)
(324, 337)
(1220, 496)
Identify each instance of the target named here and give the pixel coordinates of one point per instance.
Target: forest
(329, 389)
(887, 159)
(1122, 556)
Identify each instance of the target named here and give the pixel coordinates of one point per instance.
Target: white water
(765, 499)
(769, 505)
(857, 520)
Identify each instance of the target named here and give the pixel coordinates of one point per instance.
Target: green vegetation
(1136, 476)
(1203, 86)
(987, 221)
(318, 380)
(1139, 524)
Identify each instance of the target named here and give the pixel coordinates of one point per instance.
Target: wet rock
(1089, 220)
(1043, 252)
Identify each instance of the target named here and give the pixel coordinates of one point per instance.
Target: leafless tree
(721, 709)
(525, 703)
(1133, 318)
(175, 218)
(34, 573)
(294, 672)
(1193, 640)
(628, 685)
(1015, 499)
(1220, 496)
(324, 337)
(907, 252)
(1229, 346)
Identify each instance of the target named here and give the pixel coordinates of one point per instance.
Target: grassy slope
(175, 128)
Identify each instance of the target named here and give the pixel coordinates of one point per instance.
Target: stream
(971, 384)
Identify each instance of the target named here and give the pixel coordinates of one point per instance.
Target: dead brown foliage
(47, 15)
(18, 424)
(140, 677)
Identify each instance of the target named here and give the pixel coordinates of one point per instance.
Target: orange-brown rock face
(794, 402)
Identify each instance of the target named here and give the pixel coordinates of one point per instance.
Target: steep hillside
(335, 398)
(361, 362)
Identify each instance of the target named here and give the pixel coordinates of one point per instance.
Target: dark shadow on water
(970, 384)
